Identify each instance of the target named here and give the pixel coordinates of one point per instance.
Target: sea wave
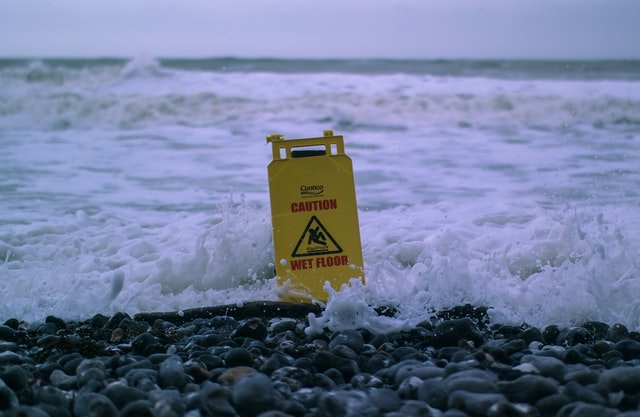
(143, 93)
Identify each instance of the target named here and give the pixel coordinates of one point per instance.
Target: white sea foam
(142, 188)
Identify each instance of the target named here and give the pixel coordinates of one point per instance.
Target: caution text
(315, 205)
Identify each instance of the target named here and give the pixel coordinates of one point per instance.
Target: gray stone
(254, 393)
(622, 378)
(93, 404)
(580, 409)
(548, 366)
(473, 403)
(529, 388)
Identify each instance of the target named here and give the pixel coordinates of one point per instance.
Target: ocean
(139, 185)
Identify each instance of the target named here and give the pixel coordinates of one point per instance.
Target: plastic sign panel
(316, 234)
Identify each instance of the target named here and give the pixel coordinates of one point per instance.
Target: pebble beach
(135, 237)
(243, 363)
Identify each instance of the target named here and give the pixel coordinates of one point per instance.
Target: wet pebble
(450, 366)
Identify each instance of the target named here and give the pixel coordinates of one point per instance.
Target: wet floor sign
(316, 234)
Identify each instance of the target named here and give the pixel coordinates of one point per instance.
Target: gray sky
(589, 29)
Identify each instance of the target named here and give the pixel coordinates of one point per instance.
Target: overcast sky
(592, 29)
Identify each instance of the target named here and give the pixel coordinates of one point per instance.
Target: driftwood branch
(263, 309)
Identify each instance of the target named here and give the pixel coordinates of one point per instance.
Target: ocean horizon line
(498, 68)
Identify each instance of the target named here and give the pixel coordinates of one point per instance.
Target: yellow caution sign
(316, 234)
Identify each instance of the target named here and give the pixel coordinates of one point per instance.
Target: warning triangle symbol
(316, 240)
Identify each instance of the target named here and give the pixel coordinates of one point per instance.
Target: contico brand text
(307, 191)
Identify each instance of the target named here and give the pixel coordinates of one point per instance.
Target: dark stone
(629, 348)
(513, 346)
(253, 394)
(572, 336)
(216, 399)
(8, 346)
(334, 375)
(26, 411)
(512, 410)
(294, 408)
(597, 329)
(90, 370)
(617, 332)
(583, 353)
(12, 323)
(602, 346)
(51, 395)
(447, 352)
(434, 392)
(419, 370)
(324, 382)
(224, 324)
(125, 367)
(147, 344)
(171, 373)
(281, 325)
(585, 376)
(473, 403)
(550, 334)
(407, 352)
(350, 338)
(501, 331)
(324, 360)
(238, 357)
(462, 356)
(580, 409)
(478, 315)
(470, 384)
(365, 381)
(452, 332)
(211, 361)
(9, 334)
(8, 398)
(58, 322)
(378, 362)
(55, 410)
(275, 361)
(529, 388)
(304, 362)
(415, 408)
(385, 399)
(497, 353)
(167, 403)
(16, 377)
(93, 404)
(550, 405)
(63, 381)
(530, 334)
(579, 392)
(138, 408)
(47, 329)
(98, 321)
(346, 352)
(121, 394)
(421, 336)
(547, 365)
(114, 321)
(253, 328)
(274, 413)
(296, 378)
(622, 378)
(346, 403)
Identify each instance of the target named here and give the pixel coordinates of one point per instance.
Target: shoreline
(228, 360)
